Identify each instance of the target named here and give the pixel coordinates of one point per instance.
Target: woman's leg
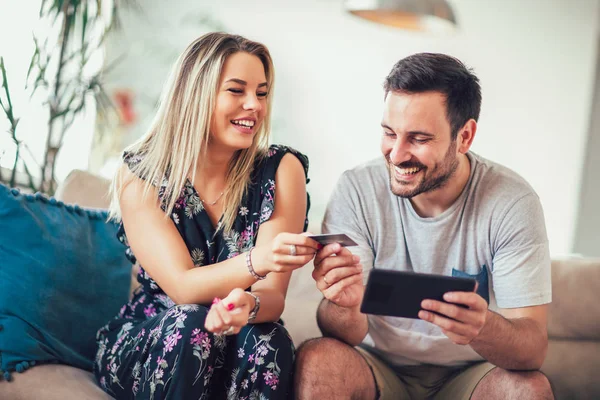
(260, 362)
(169, 356)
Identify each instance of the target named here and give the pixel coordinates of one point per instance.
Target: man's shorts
(425, 381)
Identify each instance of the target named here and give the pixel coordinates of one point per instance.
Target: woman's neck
(211, 174)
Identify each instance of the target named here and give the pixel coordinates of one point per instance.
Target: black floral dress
(155, 349)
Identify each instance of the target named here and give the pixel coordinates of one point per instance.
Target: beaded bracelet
(251, 268)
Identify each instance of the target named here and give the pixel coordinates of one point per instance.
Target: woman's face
(241, 102)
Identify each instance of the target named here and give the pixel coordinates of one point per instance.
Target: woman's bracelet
(254, 311)
(251, 268)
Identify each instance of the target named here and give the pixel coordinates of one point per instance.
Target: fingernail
(356, 258)
(216, 300)
(319, 246)
(230, 306)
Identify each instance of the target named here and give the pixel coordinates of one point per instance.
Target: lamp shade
(407, 14)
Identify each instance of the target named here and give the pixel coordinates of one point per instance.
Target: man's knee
(532, 385)
(314, 353)
(310, 359)
(325, 366)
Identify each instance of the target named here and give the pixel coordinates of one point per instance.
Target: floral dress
(155, 349)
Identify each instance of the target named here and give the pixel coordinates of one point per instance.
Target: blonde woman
(213, 215)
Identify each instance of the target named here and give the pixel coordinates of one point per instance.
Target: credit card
(340, 238)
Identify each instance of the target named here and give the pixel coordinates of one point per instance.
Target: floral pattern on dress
(155, 349)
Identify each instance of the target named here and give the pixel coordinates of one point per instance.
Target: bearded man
(430, 205)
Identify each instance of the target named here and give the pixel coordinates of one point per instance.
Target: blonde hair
(178, 137)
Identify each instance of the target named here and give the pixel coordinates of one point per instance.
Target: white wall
(535, 59)
(18, 21)
(587, 231)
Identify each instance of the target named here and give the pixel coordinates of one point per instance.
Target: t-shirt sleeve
(345, 214)
(521, 260)
(267, 180)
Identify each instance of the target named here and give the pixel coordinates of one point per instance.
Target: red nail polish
(230, 306)
(319, 246)
(216, 300)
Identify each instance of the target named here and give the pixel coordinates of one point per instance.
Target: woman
(205, 205)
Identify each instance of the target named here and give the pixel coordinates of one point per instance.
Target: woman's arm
(159, 248)
(288, 216)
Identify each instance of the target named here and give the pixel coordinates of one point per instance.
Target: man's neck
(434, 203)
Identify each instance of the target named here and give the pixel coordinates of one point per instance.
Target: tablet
(400, 293)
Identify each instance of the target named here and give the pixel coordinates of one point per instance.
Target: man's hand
(339, 275)
(461, 325)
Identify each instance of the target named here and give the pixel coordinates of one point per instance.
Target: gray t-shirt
(494, 231)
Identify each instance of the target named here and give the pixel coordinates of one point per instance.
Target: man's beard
(441, 174)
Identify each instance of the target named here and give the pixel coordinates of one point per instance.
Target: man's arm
(338, 275)
(515, 340)
(346, 324)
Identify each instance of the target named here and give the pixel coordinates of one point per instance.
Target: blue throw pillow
(63, 275)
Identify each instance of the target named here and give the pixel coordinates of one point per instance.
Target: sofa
(572, 363)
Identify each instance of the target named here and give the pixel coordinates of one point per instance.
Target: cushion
(89, 190)
(63, 275)
(574, 311)
(84, 188)
(572, 368)
(52, 382)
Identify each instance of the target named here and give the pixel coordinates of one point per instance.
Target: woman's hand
(229, 315)
(285, 253)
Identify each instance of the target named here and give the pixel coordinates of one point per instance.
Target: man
(432, 206)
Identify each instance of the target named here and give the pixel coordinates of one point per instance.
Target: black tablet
(400, 293)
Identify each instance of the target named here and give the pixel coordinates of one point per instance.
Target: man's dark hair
(424, 72)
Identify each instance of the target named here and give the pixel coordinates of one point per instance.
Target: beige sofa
(572, 364)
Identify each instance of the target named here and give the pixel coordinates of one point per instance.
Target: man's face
(417, 144)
